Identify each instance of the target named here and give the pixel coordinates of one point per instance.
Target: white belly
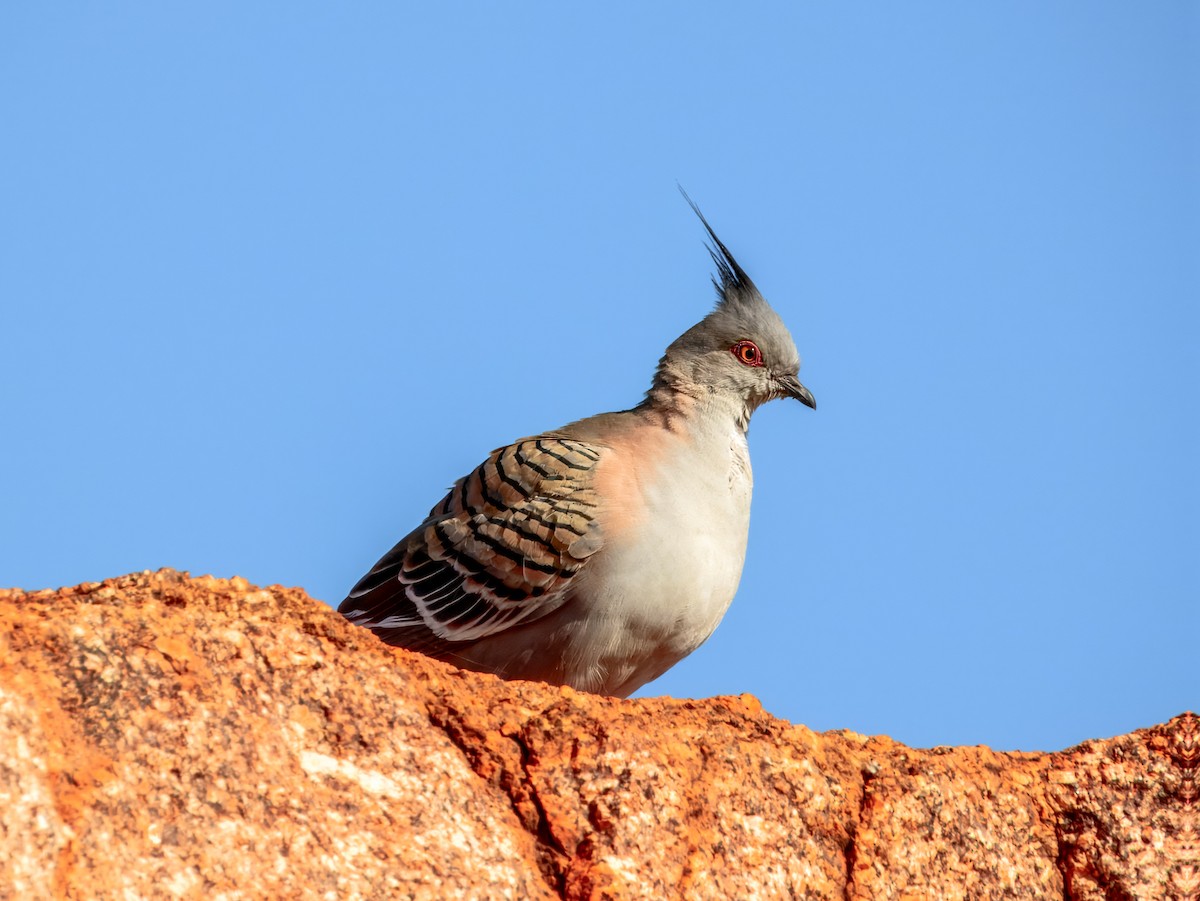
(666, 579)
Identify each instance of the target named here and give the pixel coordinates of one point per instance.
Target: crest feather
(733, 285)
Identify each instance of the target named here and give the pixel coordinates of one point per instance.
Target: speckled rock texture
(168, 737)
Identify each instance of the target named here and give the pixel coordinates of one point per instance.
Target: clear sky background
(274, 275)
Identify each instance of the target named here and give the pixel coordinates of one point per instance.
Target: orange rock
(162, 736)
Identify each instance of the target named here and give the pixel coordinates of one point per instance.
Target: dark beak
(792, 388)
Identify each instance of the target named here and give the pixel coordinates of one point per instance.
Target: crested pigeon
(600, 554)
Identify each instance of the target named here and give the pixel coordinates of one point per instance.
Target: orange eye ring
(748, 353)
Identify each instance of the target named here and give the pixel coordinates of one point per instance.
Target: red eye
(748, 353)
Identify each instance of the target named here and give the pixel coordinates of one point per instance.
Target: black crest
(732, 282)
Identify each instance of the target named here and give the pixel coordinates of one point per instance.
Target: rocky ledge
(162, 736)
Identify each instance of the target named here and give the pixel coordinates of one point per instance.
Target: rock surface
(162, 736)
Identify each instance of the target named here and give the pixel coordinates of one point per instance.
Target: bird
(600, 554)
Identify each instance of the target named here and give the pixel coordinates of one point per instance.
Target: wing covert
(500, 548)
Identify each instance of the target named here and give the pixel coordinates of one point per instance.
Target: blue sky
(273, 276)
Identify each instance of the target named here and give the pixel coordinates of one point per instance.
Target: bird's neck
(679, 405)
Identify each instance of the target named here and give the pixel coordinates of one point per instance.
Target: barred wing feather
(501, 548)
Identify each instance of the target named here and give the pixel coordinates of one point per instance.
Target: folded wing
(500, 549)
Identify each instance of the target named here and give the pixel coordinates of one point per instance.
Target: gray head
(741, 349)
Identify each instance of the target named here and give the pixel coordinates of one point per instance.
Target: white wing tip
(361, 618)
